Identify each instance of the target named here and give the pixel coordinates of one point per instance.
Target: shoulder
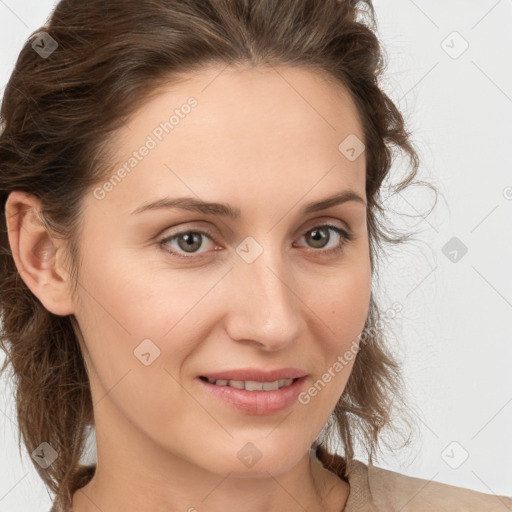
(374, 488)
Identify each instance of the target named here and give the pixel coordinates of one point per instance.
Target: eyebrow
(225, 210)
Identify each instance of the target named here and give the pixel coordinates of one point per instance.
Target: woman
(190, 192)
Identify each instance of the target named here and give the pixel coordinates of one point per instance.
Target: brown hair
(57, 114)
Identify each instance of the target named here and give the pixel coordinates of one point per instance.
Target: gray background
(454, 332)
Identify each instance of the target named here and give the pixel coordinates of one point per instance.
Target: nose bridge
(269, 279)
(264, 307)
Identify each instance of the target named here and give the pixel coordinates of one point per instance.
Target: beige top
(374, 489)
(378, 489)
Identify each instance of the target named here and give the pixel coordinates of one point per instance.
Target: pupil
(321, 236)
(192, 242)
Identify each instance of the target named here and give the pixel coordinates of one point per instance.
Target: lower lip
(261, 403)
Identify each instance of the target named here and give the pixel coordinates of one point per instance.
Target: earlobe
(35, 253)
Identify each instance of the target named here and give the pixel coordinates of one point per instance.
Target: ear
(36, 254)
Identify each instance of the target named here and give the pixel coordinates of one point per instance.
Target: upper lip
(257, 375)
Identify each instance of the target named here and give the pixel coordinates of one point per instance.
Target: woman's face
(171, 295)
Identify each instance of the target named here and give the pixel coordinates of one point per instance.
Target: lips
(254, 399)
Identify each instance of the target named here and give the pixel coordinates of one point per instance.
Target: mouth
(260, 397)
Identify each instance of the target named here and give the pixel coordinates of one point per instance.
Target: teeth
(251, 385)
(239, 384)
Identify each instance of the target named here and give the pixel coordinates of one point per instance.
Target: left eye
(190, 241)
(318, 237)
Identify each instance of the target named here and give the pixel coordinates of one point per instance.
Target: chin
(259, 458)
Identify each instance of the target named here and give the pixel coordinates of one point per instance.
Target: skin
(264, 140)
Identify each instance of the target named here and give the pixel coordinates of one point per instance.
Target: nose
(264, 306)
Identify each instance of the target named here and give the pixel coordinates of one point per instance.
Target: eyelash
(345, 235)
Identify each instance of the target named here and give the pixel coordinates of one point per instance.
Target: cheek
(140, 324)
(138, 332)
(344, 302)
(140, 299)
(343, 308)
(348, 310)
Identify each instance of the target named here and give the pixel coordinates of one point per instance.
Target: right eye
(187, 241)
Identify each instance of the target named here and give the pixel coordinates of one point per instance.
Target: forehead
(239, 129)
